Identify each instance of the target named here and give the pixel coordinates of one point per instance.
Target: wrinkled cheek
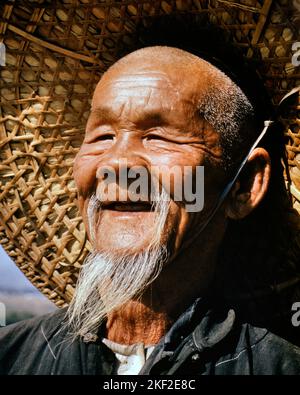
(84, 173)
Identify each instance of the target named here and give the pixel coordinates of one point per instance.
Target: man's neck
(137, 323)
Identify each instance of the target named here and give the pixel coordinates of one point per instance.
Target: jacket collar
(199, 328)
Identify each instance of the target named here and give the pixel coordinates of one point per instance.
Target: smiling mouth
(128, 206)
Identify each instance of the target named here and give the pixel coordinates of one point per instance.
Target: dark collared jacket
(202, 341)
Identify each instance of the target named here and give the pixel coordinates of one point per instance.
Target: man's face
(146, 114)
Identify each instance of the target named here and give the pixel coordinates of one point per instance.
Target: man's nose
(124, 155)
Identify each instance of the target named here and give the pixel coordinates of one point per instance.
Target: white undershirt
(130, 358)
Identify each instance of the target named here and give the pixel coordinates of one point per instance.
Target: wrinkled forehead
(149, 88)
(152, 83)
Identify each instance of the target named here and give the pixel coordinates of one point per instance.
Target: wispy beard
(108, 280)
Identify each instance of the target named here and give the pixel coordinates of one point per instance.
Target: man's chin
(123, 246)
(132, 232)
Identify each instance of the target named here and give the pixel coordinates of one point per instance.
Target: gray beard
(108, 280)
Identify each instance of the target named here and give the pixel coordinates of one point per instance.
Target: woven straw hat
(55, 54)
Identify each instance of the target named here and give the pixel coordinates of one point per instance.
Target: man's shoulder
(23, 344)
(50, 321)
(262, 337)
(285, 356)
(261, 352)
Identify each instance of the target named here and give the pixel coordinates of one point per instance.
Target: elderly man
(148, 299)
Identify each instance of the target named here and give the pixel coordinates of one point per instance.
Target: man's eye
(104, 137)
(155, 137)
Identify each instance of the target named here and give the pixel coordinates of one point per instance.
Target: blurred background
(19, 299)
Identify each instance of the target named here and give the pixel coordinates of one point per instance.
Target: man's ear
(252, 185)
